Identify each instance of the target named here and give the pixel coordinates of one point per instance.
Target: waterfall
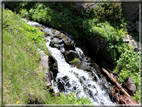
(71, 79)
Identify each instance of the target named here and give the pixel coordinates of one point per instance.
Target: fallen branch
(114, 81)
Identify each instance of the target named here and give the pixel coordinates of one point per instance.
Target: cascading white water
(72, 79)
(77, 80)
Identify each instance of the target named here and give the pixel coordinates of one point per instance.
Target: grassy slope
(23, 77)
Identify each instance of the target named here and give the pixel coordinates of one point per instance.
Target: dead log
(115, 82)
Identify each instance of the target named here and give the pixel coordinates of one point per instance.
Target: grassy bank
(88, 25)
(23, 77)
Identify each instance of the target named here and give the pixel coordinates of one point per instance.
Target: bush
(109, 11)
(128, 66)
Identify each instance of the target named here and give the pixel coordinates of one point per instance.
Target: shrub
(109, 11)
(128, 66)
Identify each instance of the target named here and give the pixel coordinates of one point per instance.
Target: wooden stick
(114, 81)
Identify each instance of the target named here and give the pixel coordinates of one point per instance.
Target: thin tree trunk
(114, 81)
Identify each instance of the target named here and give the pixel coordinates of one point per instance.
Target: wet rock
(123, 99)
(52, 43)
(46, 34)
(71, 55)
(130, 86)
(57, 40)
(53, 66)
(69, 45)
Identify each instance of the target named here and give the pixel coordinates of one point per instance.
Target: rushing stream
(73, 79)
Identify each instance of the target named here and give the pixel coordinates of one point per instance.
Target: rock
(123, 99)
(53, 66)
(52, 43)
(46, 34)
(71, 55)
(44, 62)
(68, 45)
(57, 40)
(53, 31)
(130, 86)
(40, 28)
(131, 10)
(131, 41)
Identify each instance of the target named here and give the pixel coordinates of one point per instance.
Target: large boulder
(71, 55)
(130, 86)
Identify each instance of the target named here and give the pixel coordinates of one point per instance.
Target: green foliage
(109, 11)
(74, 61)
(128, 66)
(24, 13)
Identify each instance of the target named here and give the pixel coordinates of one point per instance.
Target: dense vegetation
(23, 77)
(107, 22)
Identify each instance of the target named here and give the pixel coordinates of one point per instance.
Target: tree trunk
(115, 82)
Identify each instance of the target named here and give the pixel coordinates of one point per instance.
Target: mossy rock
(58, 36)
(54, 30)
(69, 45)
(46, 34)
(74, 61)
(71, 55)
(40, 28)
(52, 43)
(87, 69)
(65, 37)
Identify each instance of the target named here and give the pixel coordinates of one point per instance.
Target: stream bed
(72, 79)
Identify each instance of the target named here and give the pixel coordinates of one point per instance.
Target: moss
(88, 69)
(74, 61)
(46, 34)
(54, 30)
(65, 37)
(40, 28)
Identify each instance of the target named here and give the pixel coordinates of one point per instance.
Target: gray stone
(130, 86)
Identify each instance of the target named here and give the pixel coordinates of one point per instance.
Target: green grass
(23, 77)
